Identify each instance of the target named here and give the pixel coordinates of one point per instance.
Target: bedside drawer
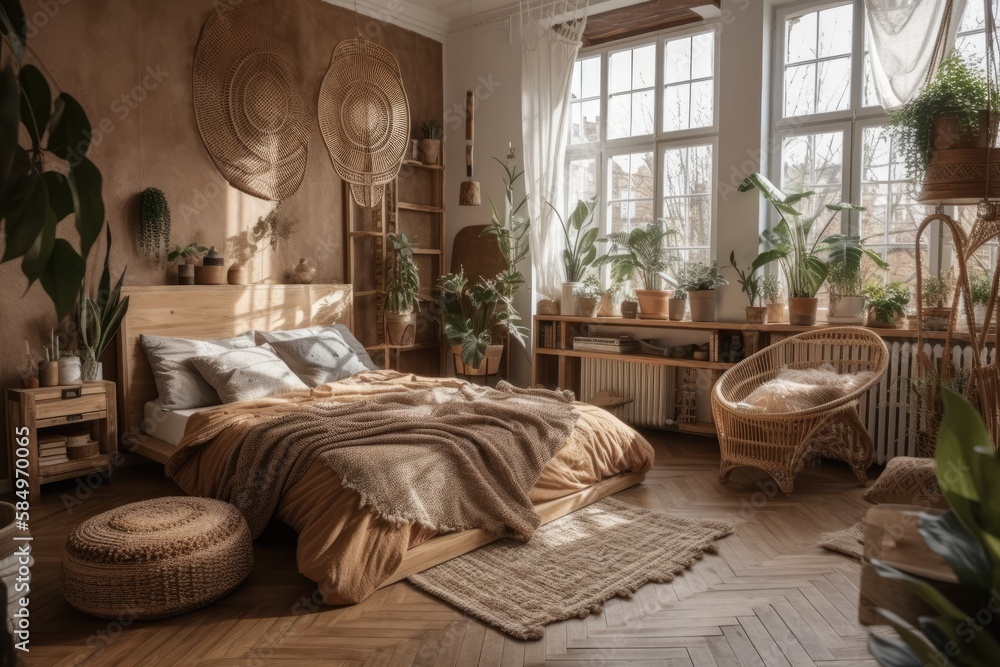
(61, 407)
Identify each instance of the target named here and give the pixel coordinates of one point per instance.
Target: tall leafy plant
(99, 316)
(642, 253)
(580, 235)
(963, 630)
(46, 178)
(403, 285)
(845, 254)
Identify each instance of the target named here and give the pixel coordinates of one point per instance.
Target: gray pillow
(246, 374)
(178, 384)
(319, 359)
(339, 330)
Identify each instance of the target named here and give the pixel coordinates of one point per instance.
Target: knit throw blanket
(448, 458)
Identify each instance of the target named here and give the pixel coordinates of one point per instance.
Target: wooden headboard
(211, 311)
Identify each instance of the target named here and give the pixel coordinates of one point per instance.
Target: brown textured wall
(103, 52)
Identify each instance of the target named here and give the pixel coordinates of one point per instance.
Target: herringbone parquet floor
(768, 598)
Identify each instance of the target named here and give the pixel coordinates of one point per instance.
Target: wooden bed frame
(202, 312)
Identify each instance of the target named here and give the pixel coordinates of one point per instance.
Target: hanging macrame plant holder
(364, 117)
(248, 102)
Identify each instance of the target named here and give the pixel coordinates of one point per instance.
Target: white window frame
(604, 149)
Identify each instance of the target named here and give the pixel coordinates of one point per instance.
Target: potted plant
(478, 318)
(588, 297)
(945, 115)
(402, 292)
(430, 145)
(699, 280)
(154, 224)
(886, 303)
(643, 254)
(981, 285)
(630, 307)
(610, 300)
(936, 293)
(752, 286)
(677, 305)
(797, 244)
(845, 253)
(190, 253)
(580, 236)
(99, 318)
(268, 231)
(770, 287)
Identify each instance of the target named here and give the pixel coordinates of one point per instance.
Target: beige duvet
(345, 548)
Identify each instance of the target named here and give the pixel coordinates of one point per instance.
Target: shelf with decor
(413, 204)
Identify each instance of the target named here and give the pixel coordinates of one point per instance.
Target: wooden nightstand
(42, 409)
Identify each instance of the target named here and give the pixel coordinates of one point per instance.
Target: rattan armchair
(781, 443)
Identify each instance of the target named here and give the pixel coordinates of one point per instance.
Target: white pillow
(178, 384)
(318, 359)
(339, 330)
(246, 374)
(795, 389)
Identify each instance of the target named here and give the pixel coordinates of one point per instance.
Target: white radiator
(651, 388)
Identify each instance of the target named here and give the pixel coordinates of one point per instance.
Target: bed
(348, 553)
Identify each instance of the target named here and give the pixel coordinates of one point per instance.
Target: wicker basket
(156, 558)
(86, 450)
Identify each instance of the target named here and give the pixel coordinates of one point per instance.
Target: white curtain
(551, 33)
(907, 40)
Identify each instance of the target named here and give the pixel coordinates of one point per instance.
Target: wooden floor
(770, 597)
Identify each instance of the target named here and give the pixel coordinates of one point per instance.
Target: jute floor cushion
(156, 558)
(908, 480)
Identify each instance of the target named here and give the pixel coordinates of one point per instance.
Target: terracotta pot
(630, 309)
(702, 305)
(430, 151)
(756, 314)
(653, 302)
(401, 328)
(775, 313)
(567, 304)
(678, 309)
(490, 365)
(802, 311)
(843, 308)
(586, 306)
(935, 319)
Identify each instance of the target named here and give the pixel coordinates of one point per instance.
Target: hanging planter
(154, 224)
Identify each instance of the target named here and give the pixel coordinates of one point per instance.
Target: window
(643, 132)
(831, 135)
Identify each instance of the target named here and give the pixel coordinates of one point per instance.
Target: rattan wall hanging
(248, 102)
(364, 117)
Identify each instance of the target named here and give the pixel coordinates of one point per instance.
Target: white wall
(494, 71)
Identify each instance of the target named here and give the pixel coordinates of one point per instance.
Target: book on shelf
(607, 344)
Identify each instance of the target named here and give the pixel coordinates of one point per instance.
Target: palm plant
(642, 253)
(580, 234)
(844, 256)
(403, 284)
(100, 316)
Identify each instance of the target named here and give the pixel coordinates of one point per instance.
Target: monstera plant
(45, 175)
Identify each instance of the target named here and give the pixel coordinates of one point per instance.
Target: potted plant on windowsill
(751, 285)
(798, 245)
(402, 289)
(588, 297)
(845, 253)
(935, 294)
(643, 254)
(699, 280)
(770, 287)
(677, 305)
(981, 285)
(886, 303)
(580, 236)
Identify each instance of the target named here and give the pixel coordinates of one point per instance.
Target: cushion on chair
(795, 389)
(156, 558)
(908, 480)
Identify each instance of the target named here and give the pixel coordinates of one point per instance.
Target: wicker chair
(782, 443)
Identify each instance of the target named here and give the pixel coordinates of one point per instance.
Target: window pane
(703, 56)
(620, 76)
(581, 180)
(678, 60)
(619, 116)
(702, 103)
(585, 109)
(591, 77)
(631, 102)
(676, 107)
(835, 29)
(834, 93)
(869, 96)
(642, 113)
(800, 90)
(630, 184)
(689, 95)
(817, 67)
(800, 44)
(644, 67)
(813, 162)
(687, 200)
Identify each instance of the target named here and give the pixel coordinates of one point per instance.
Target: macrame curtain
(548, 52)
(907, 40)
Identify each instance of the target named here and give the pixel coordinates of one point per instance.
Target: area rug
(570, 566)
(850, 541)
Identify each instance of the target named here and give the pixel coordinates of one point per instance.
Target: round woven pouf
(156, 558)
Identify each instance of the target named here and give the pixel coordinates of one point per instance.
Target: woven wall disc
(249, 104)
(364, 117)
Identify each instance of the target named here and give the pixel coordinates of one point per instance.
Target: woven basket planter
(156, 558)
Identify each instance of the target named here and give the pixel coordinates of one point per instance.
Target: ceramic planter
(185, 274)
(567, 304)
(653, 303)
(586, 306)
(401, 328)
(702, 305)
(490, 364)
(430, 151)
(846, 310)
(756, 314)
(802, 311)
(775, 313)
(630, 309)
(678, 308)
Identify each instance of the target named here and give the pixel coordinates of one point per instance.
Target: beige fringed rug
(850, 541)
(570, 566)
